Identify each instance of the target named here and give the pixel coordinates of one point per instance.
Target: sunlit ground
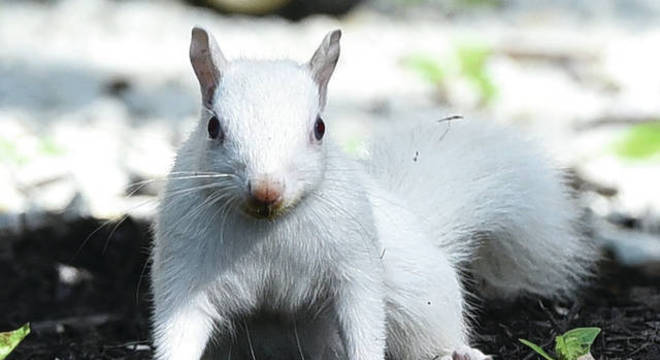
(96, 95)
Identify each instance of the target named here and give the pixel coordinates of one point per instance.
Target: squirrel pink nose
(266, 191)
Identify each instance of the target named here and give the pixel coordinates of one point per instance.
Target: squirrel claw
(466, 353)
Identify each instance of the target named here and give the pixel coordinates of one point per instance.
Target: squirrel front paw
(466, 353)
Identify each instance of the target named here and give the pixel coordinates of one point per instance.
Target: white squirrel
(270, 243)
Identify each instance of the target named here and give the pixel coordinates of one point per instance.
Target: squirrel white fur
(270, 243)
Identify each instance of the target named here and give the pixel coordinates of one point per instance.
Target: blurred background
(95, 96)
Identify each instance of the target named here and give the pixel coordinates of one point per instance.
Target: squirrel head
(261, 123)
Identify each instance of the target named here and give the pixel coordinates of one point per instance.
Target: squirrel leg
(361, 314)
(425, 307)
(181, 328)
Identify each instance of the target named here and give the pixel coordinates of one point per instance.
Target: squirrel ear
(323, 63)
(208, 62)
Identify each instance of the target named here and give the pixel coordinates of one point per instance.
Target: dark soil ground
(105, 314)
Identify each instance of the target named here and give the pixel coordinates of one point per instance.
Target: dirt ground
(102, 312)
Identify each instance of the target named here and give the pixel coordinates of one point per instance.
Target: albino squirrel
(270, 243)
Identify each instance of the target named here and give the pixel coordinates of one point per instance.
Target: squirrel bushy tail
(493, 201)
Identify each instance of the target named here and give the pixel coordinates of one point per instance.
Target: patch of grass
(641, 142)
(48, 146)
(11, 152)
(465, 60)
(479, 3)
(569, 346)
(427, 67)
(473, 59)
(10, 340)
(353, 146)
(539, 350)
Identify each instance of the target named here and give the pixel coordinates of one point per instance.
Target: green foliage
(428, 68)
(641, 142)
(473, 59)
(353, 145)
(466, 60)
(48, 146)
(575, 343)
(569, 346)
(11, 152)
(9, 340)
(537, 348)
(481, 3)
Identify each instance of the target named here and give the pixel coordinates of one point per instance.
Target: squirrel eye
(214, 128)
(319, 128)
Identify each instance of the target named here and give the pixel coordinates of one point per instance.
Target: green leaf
(9, 152)
(428, 68)
(475, 3)
(536, 348)
(48, 146)
(641, 142)
(9, 340)
(473, 59)
(575, 343)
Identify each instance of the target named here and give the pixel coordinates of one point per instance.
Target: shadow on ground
(89, 299)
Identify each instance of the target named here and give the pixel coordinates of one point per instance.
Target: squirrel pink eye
(319, 128)
(214, 128)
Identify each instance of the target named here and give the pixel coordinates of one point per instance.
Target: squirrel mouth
(263, 211)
